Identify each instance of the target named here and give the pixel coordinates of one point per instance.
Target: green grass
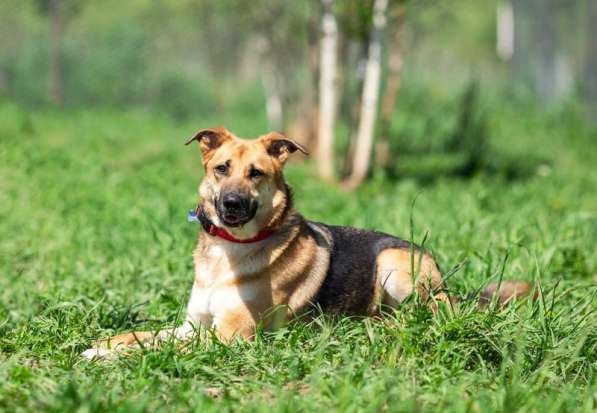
(94, 241)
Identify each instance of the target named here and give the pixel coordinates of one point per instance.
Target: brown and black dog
(258, 260)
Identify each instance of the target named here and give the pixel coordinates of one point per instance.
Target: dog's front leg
(110, 347)
(196, 315)
(234, 323)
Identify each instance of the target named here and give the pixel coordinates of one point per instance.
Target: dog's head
(243, 189)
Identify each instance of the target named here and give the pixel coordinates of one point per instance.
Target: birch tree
(370, 97)
(327, 91)
(505, 30)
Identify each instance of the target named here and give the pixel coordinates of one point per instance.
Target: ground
(95, 241)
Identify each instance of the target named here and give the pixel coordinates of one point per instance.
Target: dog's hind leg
(399, 275)
(398, 281)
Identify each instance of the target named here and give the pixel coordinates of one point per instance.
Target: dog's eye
(221, 169)
(255, 173)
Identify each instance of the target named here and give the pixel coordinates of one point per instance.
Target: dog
(259, 262)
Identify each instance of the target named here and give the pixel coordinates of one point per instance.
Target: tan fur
(247, 281)
(506, 292)
(286, 271)
(397, 280)
(237, 322)
(242, 156)
(125, 340)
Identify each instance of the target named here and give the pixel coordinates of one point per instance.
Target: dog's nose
(232, 201)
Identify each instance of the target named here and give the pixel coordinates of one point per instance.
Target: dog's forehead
(242, 151)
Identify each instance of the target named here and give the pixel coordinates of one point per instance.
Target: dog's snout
(232, 201)
(235, 208)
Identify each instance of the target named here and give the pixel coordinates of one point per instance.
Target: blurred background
(369, 85)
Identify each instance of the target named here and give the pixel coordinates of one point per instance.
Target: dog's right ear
(209, 140)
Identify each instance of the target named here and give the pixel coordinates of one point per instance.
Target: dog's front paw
(98, 353)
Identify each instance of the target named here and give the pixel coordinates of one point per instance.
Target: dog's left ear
(280, 147)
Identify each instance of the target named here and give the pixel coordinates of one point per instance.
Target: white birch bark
(505, 30)
(371, 89)
(327, 92)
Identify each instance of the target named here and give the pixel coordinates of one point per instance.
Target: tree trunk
(56, 90)
(327, 92)
(371, 87)
(395, 62)
(505, 30)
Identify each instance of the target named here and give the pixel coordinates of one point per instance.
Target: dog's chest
(209, 304)
(220, 273)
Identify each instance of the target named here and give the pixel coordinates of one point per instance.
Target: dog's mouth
(236, 217)
(233, 220)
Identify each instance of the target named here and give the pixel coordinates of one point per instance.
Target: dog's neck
(216, 257)
(219, 259)
(212, 249)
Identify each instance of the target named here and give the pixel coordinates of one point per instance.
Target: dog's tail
(504, 293)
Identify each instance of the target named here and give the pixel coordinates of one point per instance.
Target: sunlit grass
(95, 241)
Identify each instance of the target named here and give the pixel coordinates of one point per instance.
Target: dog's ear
(280, 147)
(209, 140)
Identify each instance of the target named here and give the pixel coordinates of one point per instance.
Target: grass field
(95, 241)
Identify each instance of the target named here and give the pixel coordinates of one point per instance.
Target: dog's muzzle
(235, 209)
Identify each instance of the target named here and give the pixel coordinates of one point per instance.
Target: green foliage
(181, 97)
(172, 56)
(437, 134)
(95, 241)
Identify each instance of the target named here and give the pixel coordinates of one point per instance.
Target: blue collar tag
(192, 216)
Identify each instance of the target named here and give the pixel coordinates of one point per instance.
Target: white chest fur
(208, 304)
(218, 270)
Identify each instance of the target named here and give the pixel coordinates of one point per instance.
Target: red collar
(212, 230)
